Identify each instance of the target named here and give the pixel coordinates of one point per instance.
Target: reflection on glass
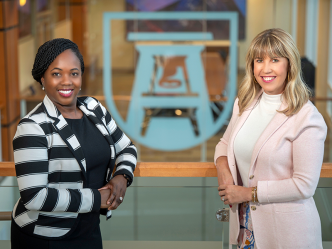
(220, 30)
(24, 17)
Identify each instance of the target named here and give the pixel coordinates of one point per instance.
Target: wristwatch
(128, 179)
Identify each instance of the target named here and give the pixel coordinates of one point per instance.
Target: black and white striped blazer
(51, 168)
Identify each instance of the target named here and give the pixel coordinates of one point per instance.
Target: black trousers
(20, 240)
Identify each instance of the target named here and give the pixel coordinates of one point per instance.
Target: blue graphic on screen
(170, 107)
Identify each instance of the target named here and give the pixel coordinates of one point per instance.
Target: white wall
(262, 15)
(26, 56)
(122, 51)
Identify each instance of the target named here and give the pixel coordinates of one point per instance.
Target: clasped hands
(112, 194)
(234, 194)
(230, 194)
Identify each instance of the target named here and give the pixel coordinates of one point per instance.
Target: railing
(180, 196)
(170, 169)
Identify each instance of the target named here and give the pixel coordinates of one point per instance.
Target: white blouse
(251, 130)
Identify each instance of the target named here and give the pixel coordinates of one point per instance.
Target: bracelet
(256, 194)
(254, 197)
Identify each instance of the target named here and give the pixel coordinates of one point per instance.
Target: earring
(43, 88)
(287, 77)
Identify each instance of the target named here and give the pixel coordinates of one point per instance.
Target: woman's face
(271, 74)
(63, 79)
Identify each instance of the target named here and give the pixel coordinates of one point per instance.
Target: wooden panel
(78, 14)
(9, 89)
(7, 135)
(5, 144)
(3, 88)
(175, 169)
(11, 133)
(7, 169)
(3, 96)
(160, 169)
(10, 13)
(326, 170)
(1, 11)
(300, 36)
(5, 216)
(11, 46)
(62, 12)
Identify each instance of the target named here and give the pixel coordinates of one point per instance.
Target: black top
(97, 155)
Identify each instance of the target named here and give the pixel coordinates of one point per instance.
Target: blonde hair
(275, 43)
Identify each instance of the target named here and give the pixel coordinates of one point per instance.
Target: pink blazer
(285, 167)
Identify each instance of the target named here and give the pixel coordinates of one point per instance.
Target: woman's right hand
(105, 194)
(224, 174)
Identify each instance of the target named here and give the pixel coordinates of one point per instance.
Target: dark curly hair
(49, 51)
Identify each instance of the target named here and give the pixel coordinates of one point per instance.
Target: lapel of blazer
(277, 121)
(61, 126)
(93, 111)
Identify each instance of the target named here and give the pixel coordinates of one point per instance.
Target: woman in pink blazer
(270, 157)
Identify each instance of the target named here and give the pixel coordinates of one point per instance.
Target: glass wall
(169, 60)
(168, 71)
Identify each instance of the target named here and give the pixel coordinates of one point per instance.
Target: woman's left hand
(118, 187)
(234, 194)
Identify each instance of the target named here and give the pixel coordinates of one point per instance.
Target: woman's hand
(105, 194)
(233, 194)
(224, 174)
(117, 187)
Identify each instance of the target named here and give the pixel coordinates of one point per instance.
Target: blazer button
(253, 208)
(251, 177)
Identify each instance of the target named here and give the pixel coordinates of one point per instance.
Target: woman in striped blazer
(65, 150)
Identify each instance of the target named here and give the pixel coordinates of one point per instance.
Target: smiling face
(271, 74)
(63, 79)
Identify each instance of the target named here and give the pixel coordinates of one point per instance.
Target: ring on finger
(121, 198)
(223, 198)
